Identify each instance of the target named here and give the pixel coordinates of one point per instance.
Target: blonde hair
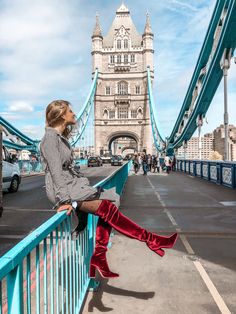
(54, 112)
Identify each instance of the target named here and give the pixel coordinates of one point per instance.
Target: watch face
(74, 204)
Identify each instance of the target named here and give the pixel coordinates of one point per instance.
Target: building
(219, 138)
(121, 107)
(192, 150)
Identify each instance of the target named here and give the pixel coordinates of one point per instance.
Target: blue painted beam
(12, 130)
(201, 62)
(213, 76)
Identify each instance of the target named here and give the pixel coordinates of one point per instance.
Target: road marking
(11, 236)
(229, 203)
(163, 204)
(211, 287)
(26, 209)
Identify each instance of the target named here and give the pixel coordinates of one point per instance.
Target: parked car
(116, 160)
(106, 158)
(94, 162)
(11, 177)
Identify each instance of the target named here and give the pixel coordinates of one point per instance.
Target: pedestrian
(144, 163)
(140, 160)
(67, 190)
(149, 162)
(174, 163)
(167, 164)
(158, 164)
(136, 163)
(154, 163)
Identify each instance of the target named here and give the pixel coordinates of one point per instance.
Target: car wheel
(14, 185)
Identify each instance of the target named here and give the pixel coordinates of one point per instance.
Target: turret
(148, 44)
(97, 41)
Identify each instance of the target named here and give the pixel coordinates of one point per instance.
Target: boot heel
(160, 252)
(92, 271)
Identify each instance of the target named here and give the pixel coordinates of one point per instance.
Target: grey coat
(62, 183)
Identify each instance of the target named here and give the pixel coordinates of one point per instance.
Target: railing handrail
(207, 160)
(15, 255)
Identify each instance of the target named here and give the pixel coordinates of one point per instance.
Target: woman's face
(69, 116)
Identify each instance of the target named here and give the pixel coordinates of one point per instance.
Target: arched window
(126, 43)
(123, 112)
(118, 44)
(112, 59)
(105, 114)
(126, 58)
(122, 88)
(119, 59)
(132, 59)
(108, 90)
(137, 89)
(140, 113)
(134, 113)
(111, 114)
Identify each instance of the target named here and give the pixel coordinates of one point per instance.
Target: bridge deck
(199, 275)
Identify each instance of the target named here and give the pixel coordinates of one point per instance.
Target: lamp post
(225, 65)
(185, 144)
(199, 124)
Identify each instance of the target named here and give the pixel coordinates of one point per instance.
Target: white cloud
(21, 106)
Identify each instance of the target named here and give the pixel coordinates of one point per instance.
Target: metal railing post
(15, 290)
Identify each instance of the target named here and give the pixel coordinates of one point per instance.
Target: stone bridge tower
(121, 107)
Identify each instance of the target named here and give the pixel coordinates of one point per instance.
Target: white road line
(163, 204)
(8, 209)
(9, 236)
(211, 287)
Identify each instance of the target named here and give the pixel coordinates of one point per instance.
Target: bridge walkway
(198, 275)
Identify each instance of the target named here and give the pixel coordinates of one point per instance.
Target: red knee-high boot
(98, 260)
(110, 214)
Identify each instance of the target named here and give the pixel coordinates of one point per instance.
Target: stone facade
(219, 137)
(121, 102)
(192, 150)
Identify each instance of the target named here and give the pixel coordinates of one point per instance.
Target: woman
(68, 190)
(136, 163)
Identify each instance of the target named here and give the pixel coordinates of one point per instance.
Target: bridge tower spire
(97, 40)
(148, 44)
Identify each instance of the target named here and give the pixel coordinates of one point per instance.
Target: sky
(45, 54)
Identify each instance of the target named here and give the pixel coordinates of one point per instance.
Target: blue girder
(85, 111)
(207, 71)
(158, 139)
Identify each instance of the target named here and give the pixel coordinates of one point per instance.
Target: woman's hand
(67, 207)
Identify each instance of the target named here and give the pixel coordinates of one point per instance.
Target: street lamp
(185, 144)
(225, 65)
(199, 124)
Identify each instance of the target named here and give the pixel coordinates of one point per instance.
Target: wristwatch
(74, 204)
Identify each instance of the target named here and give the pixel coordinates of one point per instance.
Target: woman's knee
(90, 206)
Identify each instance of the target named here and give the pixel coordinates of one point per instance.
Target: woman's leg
(103, 230)
(110, 214)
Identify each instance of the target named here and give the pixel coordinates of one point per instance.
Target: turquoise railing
(47, 272)
(219, 172)
(27, 166)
